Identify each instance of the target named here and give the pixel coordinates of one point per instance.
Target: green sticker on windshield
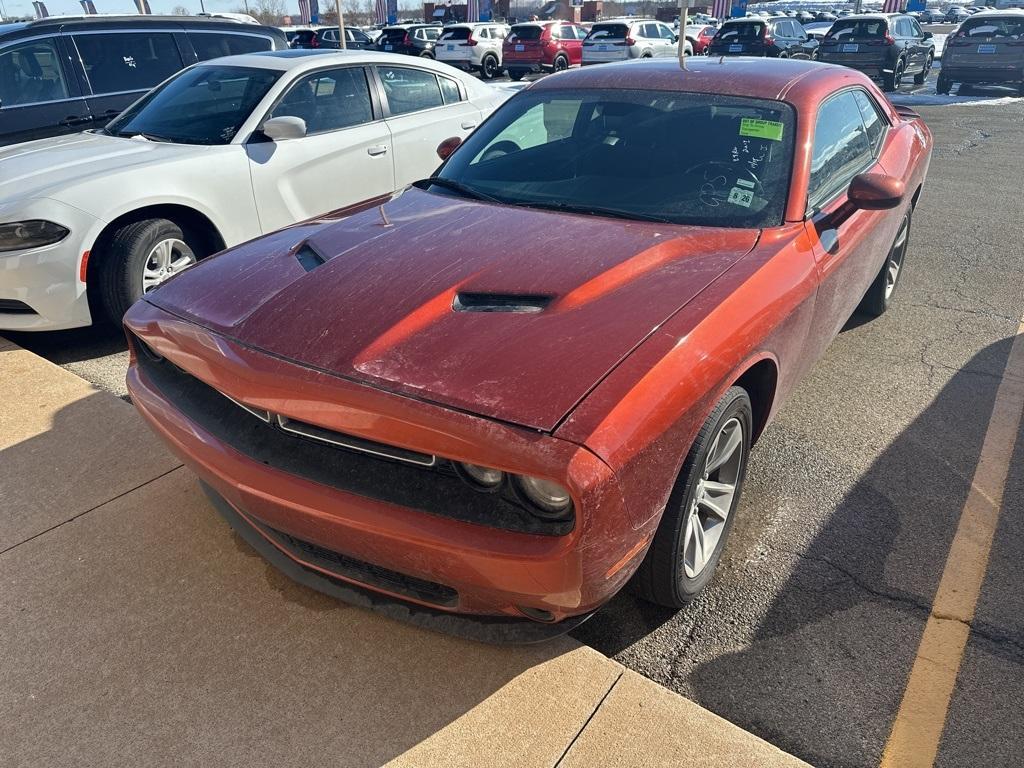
(761, 129)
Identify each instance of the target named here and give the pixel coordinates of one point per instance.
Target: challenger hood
(510, 313)
(47, 167)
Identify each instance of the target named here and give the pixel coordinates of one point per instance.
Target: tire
(426, 55)
(667, 576)
(560, 64)
(122, 267)
(879, 296)
(892, 81)
(516, 74)
(921, 76)
(489, 67)
(687, 50)
(943, 86)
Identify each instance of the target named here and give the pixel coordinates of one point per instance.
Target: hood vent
(309, 258)
(499, 302)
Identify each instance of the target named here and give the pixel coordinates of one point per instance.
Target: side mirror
(283, 128)
(675, 38)
(875, 192)
(446, 147)
(926, 35)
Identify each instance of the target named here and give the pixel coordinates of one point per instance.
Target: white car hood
(52, 167)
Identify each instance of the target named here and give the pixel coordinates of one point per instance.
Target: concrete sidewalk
(137, 629)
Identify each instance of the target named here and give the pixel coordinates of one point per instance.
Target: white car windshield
(202, 105)
(681, 158)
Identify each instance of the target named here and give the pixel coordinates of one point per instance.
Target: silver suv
(472, 47)
(622, 39)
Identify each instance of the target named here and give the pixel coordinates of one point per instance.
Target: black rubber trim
(501, 630)
(15, 307)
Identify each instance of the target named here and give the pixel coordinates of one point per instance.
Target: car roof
(298, 59)
(727, 76)
(140, 19)
(1011, 12)
(871, 16)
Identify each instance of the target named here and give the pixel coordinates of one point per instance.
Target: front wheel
(921, 76)
(139, 258)
(699, 515)
(876, 300)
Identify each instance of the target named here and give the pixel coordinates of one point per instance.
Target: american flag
(472, 10)
(40, 9)
(721, 9)
(381, 11)
(891, 6)
(88, 6)
(142, 6)
(304, 16)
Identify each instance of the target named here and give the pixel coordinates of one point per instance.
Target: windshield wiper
(456, 186)
(147, 136)
(591, 210)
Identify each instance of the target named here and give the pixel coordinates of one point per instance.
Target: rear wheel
(699, 515)
(944, 85)
(892, 81)
(921, 76)
(876, 300)
(489, 68)
(560, 64)
(139, 258)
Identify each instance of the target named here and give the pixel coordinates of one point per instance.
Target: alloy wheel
(713, 498)
(899, 250)
(167, 258)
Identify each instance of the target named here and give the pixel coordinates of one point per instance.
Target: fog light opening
(537, 614)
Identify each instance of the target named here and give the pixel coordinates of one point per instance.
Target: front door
(344, 158)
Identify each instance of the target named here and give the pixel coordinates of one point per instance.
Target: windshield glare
(683, 158)
(202, 105)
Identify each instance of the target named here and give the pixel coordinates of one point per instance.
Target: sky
(61, 7)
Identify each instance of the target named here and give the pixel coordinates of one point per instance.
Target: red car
(700, 38)
(543, 46)
(497, 439)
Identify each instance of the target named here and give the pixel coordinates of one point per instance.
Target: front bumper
(45, 280)
(452, 567)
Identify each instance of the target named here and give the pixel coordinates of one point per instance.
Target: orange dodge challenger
(488, 402)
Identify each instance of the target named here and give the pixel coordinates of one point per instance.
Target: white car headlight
(19, 235)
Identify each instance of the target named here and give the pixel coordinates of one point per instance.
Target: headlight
(485, 477)
(19, 235)
(549, 497)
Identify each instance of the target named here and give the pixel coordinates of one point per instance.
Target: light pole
(341, 26)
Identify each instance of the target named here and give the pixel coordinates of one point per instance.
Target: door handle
(380, 149)
(468, 125)
(75, 120)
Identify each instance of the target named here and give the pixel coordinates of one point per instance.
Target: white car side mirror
(282, 128)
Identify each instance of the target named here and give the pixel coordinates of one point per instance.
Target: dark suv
(883, 46)
(65, 74)
(778, 37)
(411, 39)
(327, 38)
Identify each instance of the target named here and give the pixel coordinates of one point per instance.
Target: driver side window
(328, 101)
(841, 148)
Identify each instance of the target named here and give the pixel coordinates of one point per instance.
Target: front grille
(435, 489)
(363, 572)
(15, 307)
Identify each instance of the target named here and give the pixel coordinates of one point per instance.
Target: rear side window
(841, 148)
(210, 46)
(863, 28)
(449, 90)
(30, 73)
(410, 90)
(874, 124)
(525, 32)
(328, 101)
(609, 32)
(127, 61)
(741, 32)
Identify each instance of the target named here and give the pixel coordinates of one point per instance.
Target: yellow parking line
(914, 740)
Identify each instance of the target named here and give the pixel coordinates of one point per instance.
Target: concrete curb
(138, 630)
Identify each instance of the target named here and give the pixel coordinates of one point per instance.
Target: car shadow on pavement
(73, 346)
(137, 629)
(845, 628)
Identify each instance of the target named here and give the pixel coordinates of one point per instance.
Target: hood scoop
(309, 258)
(500, 302)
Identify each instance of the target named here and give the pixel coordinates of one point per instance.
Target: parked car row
(393, 414)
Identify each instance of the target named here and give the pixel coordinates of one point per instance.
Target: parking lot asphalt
(808, 634)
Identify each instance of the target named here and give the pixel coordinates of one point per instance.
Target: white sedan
(222, 152)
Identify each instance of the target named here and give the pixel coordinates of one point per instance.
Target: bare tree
(264, 11)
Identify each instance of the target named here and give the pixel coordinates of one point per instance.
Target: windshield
(202, 105)
(681, 158)
(744, 31)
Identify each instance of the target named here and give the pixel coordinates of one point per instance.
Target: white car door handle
(469, 125)
(380, 149)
